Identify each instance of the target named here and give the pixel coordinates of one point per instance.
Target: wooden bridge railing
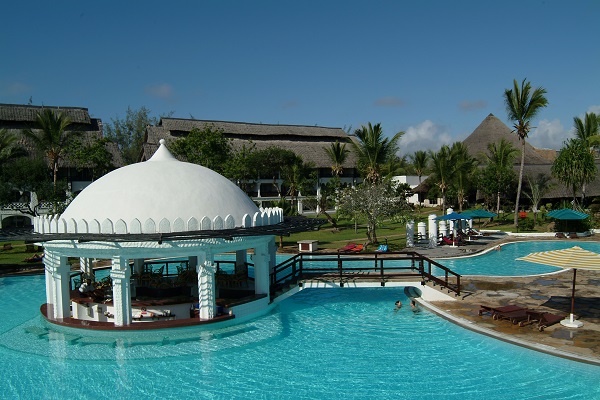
(339, 267)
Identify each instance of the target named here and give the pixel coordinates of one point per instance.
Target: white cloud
(425, 136)
(163, 91)
(549, 135)
(594, 109)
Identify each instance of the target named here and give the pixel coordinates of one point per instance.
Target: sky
(432, 69)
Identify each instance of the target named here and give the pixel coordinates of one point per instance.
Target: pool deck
(548, 292)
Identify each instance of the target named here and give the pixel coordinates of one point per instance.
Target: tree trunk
(516, 223)
(498, 204)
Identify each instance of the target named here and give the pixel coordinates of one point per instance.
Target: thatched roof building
(309, 142)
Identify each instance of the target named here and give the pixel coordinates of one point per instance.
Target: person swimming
(398, 305)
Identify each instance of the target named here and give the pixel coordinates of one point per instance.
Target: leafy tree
(419, 160)
(374, 150)
(337, 154)
(298, 177)
(374, 202)
(52, 136)
(271, 162)
(574, 166)
(128, 133)
(394, 166)
(94, 156)
(522, 105)
(207, 147)
(241, 167)
(538, 188)
(26, 175)
(464, 167)
(499, 159)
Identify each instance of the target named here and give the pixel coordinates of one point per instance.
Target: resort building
(308, 142)
(15, 118)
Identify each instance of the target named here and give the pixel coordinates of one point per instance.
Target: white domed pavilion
(159, 209)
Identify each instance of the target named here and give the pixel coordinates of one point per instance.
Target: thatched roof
(15, 118)
(491, 130)
(309, 142)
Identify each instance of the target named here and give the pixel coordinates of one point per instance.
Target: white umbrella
(575, 258)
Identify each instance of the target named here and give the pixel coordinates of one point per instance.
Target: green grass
(18, 253)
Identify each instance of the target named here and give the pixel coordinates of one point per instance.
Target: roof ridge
(247, 123)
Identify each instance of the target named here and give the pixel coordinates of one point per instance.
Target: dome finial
(162, 154)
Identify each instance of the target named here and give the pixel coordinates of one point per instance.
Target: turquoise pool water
(334, 343)
(329, 343)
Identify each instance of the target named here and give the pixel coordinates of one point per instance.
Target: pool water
(334, 343)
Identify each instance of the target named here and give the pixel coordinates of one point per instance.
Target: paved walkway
(550, 292)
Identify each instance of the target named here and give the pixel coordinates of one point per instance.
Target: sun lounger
(573, 235)
(358, 248)
(515, 317)
(560, 235)
(348, 247)
(493, 310)
(383, 248)
(544, 319)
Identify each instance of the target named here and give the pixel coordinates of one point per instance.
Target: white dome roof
(160, 189)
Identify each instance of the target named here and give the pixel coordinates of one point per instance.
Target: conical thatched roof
(491, 130)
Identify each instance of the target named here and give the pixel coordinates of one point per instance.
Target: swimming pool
(335, 343)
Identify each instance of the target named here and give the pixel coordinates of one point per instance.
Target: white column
(206, 286)
(410, 234)
(58, 293)
(121, 289)
(262, 268)
(85, 265)
(433, 230)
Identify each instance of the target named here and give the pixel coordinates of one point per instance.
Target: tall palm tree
(501, 157)
(9, 148)
(51, 135)
(374, 150)
(338, 154)
(464, 166)
(522, 105)
(419, 160)
(442, 167)
(588, 132)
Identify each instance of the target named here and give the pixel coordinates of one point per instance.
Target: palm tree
(538, 188)
(338, 154)
(574, 166)
(374, 150)
(464, 166)
(588, 132)
(9, 148)
(51, 136)
(442, 167)
(419, 160)
(521, 106)
(501, 157)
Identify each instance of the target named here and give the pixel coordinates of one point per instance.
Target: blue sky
(434, 69)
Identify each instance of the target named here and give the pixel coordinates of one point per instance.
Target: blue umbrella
(453, 216)
(567, 213)
(479, 213)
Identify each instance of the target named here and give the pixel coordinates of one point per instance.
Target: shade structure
(453, 216)
(575, 258)
(479, 213)
(567, 214)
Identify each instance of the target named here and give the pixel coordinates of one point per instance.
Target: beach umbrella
(479, 213)
(453, 216)
(575, 258)
(567, 214)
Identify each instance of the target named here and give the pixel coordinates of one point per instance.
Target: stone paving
(550, 292)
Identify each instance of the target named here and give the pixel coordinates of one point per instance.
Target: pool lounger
(494, 310)
(544, 319)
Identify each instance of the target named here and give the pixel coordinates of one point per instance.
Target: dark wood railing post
(341, 270)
